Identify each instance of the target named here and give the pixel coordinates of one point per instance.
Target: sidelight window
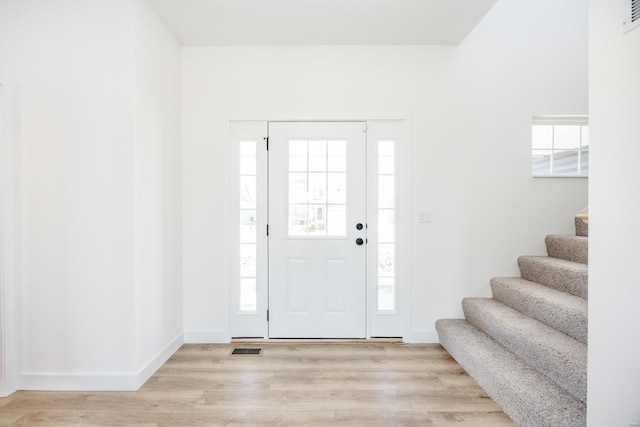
(248, 231)
(386, 226)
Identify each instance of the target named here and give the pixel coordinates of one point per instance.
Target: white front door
(317, 230)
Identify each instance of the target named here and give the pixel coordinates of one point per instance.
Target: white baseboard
(206, 337)
(422, 337)
(78, 382)
(158, 360)
(86, 381)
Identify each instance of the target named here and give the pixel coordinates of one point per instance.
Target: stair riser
(582, 227)
(570, 317)
(571, 278)
(562, 367)
(570, 248)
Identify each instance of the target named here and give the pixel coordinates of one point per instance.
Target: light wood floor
(291, 384)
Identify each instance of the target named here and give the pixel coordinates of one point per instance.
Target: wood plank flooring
(291, 384)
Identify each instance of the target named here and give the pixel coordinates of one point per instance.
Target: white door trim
(248, 324)
(317, 283)
(389, 323)
(8, 289)
(404, 217)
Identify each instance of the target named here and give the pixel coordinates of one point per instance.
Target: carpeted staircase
(527, 346)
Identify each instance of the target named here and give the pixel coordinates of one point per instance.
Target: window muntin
(560, 146)
(317, 188)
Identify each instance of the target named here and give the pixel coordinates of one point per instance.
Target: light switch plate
(424, 216)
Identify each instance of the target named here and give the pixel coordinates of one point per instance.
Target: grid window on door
(317, 188)
(248, 231)
(386, 226)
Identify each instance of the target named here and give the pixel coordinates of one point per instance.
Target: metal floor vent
(246, 352)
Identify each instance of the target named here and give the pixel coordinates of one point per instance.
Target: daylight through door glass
(248, 230)
(317, 188)
(386, 226)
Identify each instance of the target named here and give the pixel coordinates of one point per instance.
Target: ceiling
(320, 22)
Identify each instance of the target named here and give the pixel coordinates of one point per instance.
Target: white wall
(614, 346)
(470, 110)
(81, 136)
(72, 63)
(158, 190)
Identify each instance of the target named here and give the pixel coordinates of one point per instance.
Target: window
(386, 226)
(248, 213)
(317, 188)
(560, 146)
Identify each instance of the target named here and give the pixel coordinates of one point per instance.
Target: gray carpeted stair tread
(560, 310)
(527, 396)
(571, 248)
(561, 358)
(582, 227)
(567, 276)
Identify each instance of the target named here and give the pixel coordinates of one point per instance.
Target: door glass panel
(317, 156)
(248, 192)
(248, 251)
(247, 260)
(386, 159)
(317, 188)
(298, 220)
(247, 158)
(386, 294)
(386, 226)
(337, 192)
(337, 156)
(297, 188)
(247, 226)
(297, 156)
(248, 294)
(385, 191)
(385, 260)
(317, 199)
(317, 220)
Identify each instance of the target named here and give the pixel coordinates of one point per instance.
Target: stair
(560, 274)
(527, 346)
(560, 310)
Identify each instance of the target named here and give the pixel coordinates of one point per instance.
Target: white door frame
(8, 290)
(380, 128)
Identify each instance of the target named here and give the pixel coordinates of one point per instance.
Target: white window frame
(573, 120)
(387, 323)
(248, 324)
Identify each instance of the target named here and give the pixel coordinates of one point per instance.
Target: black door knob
(359, 226)
(359, 241)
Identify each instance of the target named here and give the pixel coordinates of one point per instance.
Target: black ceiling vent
(246, 352)
(631, 17)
